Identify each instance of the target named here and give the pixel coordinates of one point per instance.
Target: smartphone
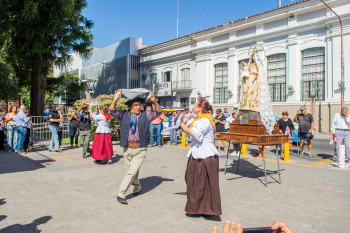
(260, 230)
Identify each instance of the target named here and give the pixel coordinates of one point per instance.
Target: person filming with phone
(306, 126)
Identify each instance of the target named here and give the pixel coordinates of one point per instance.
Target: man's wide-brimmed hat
(136, 99)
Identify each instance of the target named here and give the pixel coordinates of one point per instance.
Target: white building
(302, 45)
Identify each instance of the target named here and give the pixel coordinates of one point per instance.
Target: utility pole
(342, 84)
(177, 20)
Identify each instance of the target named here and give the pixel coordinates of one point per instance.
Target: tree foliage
(9, 88)
(67, 87)
(37, 34)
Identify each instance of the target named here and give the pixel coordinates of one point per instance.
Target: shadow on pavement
(149, 183)
(2, 217)
(324, 156)
(2, 201)
(116, 158)
(248, 170)
(12, 162)
(31, 227)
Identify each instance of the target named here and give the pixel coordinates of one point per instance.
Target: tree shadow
(32, 227)
(2, 201)
(149, 183)
(12, 162)
(2, 217)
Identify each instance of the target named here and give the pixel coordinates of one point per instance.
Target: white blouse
(203, 141)
(102, 124)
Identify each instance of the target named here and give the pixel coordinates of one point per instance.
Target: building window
(276, 77)
(313, 73)
(220, 88)
(153, 78)
(185, 74)
(185, 102)
(240, 81)
(167, 76)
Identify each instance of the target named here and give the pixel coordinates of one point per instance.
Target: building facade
(110, 68)
(301, 42)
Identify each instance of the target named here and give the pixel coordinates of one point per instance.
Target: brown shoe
(78, 146)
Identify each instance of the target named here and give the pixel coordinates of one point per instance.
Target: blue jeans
(22, 131)
(54, 138)
(173, 137)
(12, 137)
(155, 129)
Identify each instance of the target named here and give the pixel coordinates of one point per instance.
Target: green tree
(37, 34)
(9, 87)
(67, 87)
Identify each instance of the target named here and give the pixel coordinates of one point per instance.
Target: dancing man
(134, 138)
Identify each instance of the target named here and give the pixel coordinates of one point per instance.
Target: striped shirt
(118, 114)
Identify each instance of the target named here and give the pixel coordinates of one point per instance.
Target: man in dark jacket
(134, 138)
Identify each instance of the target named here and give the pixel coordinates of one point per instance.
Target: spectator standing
(84, 129)
(173, 133)
(228, 121)
(156, 129)
(12, 135)
(134, 139)
(27, 141)
(220, 121)
(286, 126)
(55, 119)
(102, 145)
(21, 127)
(73, 128)
(2, 135)
(306, 126)
(225, 113)
(341, 130)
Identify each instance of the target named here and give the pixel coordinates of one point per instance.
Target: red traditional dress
(102, 144)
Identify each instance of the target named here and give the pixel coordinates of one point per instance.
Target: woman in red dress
(102, 145)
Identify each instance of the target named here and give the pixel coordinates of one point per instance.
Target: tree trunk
(37, 93)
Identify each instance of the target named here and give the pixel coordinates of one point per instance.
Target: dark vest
(142, 126)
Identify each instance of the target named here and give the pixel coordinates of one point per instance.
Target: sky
(155, 20)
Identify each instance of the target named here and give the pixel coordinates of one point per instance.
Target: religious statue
(250, 80)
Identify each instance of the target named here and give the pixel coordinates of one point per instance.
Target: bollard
(286, 151)
(183, 140)
(244, 149)
(341, 156)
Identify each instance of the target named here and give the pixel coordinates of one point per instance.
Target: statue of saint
(250, 79)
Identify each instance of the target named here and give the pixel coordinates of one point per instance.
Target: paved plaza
(62, 192)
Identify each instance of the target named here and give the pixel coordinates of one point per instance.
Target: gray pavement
(62, 192)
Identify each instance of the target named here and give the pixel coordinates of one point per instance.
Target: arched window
(276, 77)
(313, 73)
(221, 84)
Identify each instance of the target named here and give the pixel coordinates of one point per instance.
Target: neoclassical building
(301, 42)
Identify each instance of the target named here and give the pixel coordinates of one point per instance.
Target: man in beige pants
(134, 138)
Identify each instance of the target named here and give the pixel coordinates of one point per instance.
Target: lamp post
(342, 86)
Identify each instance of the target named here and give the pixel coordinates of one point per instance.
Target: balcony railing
(182, 85)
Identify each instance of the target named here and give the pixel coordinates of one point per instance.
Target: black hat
(137, 99)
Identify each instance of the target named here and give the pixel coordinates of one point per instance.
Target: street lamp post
(342, 86)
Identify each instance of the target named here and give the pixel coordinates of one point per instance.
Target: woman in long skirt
(102, 145)
(202, 172)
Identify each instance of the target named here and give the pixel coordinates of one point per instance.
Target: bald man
(21, 127)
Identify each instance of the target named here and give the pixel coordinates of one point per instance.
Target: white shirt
(228, 121)
(340, 122)
(203, 141)
(102, 124)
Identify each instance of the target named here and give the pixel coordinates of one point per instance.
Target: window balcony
(182, 85)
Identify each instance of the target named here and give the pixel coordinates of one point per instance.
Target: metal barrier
(41, 134)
